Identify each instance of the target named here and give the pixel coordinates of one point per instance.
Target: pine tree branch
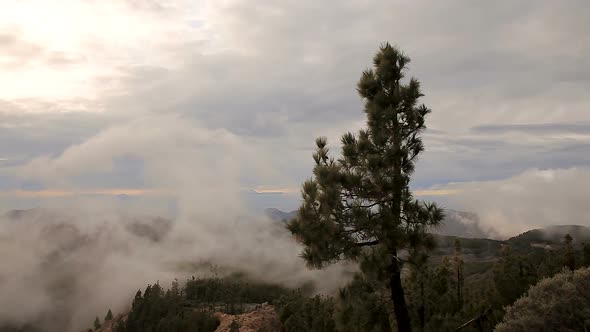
(476, 318)
(366, 244)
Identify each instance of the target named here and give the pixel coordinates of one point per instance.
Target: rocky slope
(263, 318)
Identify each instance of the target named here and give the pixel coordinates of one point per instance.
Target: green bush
(560, 303)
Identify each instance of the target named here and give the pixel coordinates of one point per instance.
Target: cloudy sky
(157, 99)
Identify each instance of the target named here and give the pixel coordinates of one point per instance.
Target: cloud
(21, 54)
(532, 199)
(437, 192)
(282, 74)
(262, 190)
(17, 52)
(63, 267)
(541, 128)
(84, 260)
(177, 155)
(68, 193)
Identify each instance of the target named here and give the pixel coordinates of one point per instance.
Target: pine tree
(441, 277)
(459, 273)
(109, 316)
(234, 326)
(96, 323)
(586, 254)
(362, 202)
(512, 276)
(569, 258)
(420, 279)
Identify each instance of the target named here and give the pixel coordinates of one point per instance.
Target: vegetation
(465, 286)
(434, 303)
(560, 303)
(191, 308)
(108, 316)
(230, 294)
(96, 323)
(301, 313)
(159, 310)
(360, 206)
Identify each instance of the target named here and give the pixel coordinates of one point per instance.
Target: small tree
(96, 323)
(586, 254)
(459, 273)
(440, 282)
(569, 258)
(109, 316)
(512, 276)
(362, 203)
(420, 279)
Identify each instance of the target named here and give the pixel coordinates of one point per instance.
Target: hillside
(551, 237)
(472, 249)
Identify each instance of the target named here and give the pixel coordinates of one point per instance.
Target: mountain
(456, 223)
(278, 215)
(551, 237)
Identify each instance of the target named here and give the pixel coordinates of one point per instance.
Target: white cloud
(97, 38)
(200, 165)
(533, 199)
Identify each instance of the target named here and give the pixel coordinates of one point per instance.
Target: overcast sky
(135, 97)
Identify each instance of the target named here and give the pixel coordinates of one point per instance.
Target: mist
(533, 199)
(67, 263)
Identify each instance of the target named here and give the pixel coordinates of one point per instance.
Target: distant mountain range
(456, 223)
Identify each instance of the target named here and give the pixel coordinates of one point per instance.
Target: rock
(263, 318)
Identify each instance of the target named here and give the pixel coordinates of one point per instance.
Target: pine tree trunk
(458, 288)
(397, 296)
(422, 309)
(397, 292)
